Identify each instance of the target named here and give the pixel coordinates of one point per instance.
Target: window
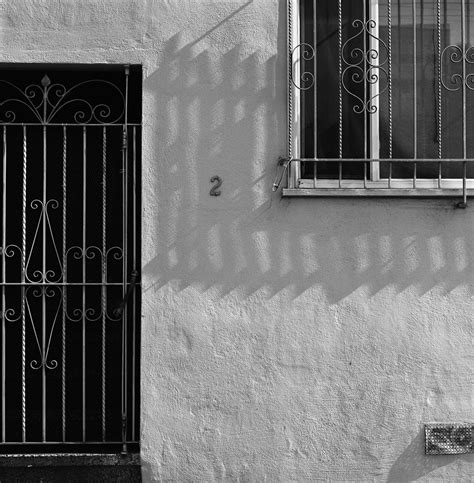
(69, 257)
(380, 97)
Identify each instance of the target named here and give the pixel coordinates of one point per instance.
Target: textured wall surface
(283, 340)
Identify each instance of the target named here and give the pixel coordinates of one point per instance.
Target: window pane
(430, 88)
(421, 61)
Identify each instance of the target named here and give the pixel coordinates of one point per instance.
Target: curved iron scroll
(58, 266)
(306, 80)
(452, 55)
(363, 65)
(45, 102)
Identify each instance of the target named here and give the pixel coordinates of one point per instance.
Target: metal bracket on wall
(285, 162)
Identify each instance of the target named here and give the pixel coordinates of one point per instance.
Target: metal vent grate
(448, 438)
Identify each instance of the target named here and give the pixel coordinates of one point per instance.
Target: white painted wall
(283, 340)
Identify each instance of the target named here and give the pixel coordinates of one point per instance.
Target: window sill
(398, 188)
(376, 192)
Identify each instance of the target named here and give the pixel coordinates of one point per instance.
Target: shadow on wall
(413, 464)
(222, 111)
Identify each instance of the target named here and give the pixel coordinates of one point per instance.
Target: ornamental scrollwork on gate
(363, 65)
(57, 266)
(302, 52)
(106, 261)
(54, 298)
(40, 271)
(49, 292)
(453, 56)
(49, 102)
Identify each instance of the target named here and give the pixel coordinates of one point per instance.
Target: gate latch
(133, 281)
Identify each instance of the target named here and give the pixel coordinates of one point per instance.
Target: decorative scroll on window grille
(381, 99)
(69, 256)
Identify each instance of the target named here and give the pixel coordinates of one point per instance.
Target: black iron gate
(69, 255)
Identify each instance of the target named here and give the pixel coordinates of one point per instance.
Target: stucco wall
(283, 340)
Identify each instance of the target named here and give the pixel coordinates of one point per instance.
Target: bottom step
(49, 468)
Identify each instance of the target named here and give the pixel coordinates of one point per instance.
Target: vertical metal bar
(415, 107)
(64, 290)
(134, 268)
(43, 296)
(390, 94)
(4, 245)
(399, 45)
(315, 95)
(295, 60)
(104, 273)
(23, 293)
(464, 84)
(464, 183)
(364, 49)
(339, 30)
(440, 103)
(84, 208)
(125, 260)
(374, 90)
(468, 22)
(463, 42)
(289, 88)
(303, 95)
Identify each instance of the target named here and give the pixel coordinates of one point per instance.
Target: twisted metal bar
(290, 89)
(104, 271)
(339, 7)
(415, 101)
(440, 102)
(63, 338)
(315, 97)
(23, 272)
(464, 107)
(84, 228)
(390, 107)
(3, 315)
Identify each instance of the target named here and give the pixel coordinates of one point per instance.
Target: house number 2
(214, 190)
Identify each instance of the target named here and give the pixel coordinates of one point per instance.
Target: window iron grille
(380, 98)
(69, 256)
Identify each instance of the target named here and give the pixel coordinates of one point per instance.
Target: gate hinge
(124, 433)
(133, 281)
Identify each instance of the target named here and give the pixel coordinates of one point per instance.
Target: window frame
(371, 184)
